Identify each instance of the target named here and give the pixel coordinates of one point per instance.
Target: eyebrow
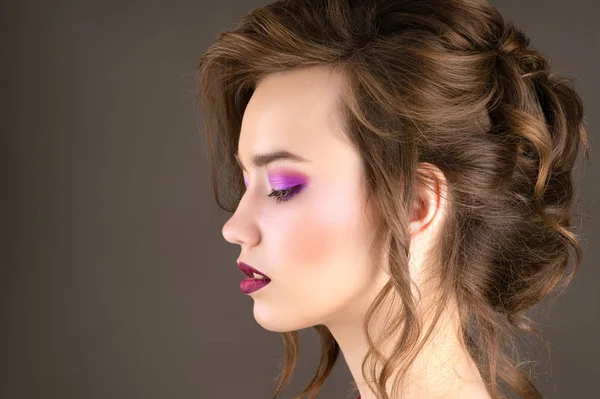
(260, 160)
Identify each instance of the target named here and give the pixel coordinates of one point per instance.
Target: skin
(314, 247)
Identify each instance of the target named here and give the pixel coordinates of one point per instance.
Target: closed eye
(285, 195)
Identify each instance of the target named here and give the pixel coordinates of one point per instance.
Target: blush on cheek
(313, 244)
(329, 233)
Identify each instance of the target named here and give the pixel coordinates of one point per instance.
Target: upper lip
(249, 270)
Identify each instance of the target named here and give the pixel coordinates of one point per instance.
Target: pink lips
(251, 284)
(249, 270)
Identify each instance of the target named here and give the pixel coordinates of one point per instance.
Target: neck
(443, 367)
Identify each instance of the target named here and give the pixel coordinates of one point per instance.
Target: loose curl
(445, 82)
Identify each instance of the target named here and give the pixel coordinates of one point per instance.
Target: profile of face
(313, 241)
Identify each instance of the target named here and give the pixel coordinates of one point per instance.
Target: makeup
(249, 285)
(284, 181)
(285, 185)
(255, 281)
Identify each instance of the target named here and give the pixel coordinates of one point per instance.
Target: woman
(400, 177)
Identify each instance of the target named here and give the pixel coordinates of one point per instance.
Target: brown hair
(449, 83)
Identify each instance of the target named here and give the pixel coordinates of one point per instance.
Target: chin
(272, 321)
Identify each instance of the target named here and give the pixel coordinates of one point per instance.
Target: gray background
(115, 279)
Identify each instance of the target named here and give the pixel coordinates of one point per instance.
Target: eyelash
(281, 196)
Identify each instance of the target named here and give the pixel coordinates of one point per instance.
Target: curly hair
(445, 82)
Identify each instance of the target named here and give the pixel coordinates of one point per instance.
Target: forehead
(294, 111)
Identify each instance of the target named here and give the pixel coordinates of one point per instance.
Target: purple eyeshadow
(283, 182)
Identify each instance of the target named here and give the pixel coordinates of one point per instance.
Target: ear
(429, 199)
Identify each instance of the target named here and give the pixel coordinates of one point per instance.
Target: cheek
(319, 254)
(323, 239)
(312, 244)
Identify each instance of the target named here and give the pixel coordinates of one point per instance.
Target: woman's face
(313, 243)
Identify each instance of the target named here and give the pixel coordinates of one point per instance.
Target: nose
(241, 228)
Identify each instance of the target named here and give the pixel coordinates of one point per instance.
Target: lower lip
(250, 284)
